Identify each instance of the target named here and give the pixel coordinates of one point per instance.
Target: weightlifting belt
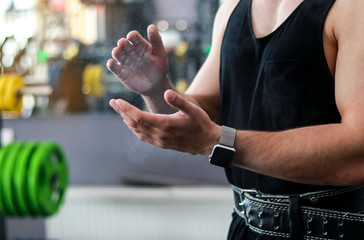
(331, 214)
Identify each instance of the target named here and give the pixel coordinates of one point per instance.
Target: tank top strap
(317, 7)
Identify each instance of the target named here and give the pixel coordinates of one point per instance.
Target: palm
(138, 64)
(143, 73)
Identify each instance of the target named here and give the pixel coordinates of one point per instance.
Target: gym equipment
(6, 178)
(92, 80)
(33, 179)
(12, 88)
(20, 177)
(10, 95)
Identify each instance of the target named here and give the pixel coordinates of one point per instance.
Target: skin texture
(331, 154)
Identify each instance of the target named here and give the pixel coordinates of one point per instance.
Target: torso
(267, 16)
(277, 72)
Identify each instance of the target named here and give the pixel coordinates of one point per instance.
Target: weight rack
(2, 219)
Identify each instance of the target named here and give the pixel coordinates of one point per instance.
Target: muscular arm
(142, 67)
(331, 154)
(327, 154)
(205, 88)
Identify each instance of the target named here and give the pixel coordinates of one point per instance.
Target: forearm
(324, 155)
(156, 102)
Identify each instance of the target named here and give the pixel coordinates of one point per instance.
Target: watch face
(222, 156)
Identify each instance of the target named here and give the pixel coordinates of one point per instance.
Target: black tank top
(277, 82)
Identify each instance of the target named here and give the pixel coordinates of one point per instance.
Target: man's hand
(188, 130)
(141, 66)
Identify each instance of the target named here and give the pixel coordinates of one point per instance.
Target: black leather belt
(331, 214)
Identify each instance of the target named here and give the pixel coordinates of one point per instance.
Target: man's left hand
(188, 130)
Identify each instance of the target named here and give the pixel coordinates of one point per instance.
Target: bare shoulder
(224, 12)
(346, 17)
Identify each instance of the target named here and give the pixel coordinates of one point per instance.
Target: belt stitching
(285, 235)
(306, 210)
(277, 234)
(320, 194)
(330, 193)
(271, 233)
(276, 205)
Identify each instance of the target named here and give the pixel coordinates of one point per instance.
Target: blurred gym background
(119, 187)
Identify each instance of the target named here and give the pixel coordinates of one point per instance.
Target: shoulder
(224, 12)
(346, 18)
(228, 6)
(220, 22)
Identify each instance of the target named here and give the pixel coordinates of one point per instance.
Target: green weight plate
(20, 178)
(41, 176)
(3, 157)
(47, 187)
(56, 176)
(32, 179)
(7, 179)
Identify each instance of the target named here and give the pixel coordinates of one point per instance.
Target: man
(288, 75)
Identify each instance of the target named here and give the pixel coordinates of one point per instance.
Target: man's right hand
(140, 65)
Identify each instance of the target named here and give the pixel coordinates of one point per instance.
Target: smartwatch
(223, 153)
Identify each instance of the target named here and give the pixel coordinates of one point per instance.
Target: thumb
(179, 102)
(156, 41)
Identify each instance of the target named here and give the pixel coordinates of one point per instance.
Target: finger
(177, 101)
(117, 69)
(118, 54)
(156, 41)
(141, 117)
(116, 107)
(136, 39)
(141, 45)
(113, 66)
(126, 46)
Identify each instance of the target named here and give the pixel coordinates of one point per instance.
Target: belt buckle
(249, 191)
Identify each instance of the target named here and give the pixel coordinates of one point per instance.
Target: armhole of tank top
(322, 49)
(223, 37)
(231, 14)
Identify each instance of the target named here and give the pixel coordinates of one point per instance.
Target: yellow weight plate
(92, 80)
(97, 81)
(13, 97)
(6, 95)
(3, 81)
(86, 79)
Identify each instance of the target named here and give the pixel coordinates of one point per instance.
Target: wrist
(214, 138)
(157, 90)
(154, 99)
(223, 153)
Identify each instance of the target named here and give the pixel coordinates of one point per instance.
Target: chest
(267, 16)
